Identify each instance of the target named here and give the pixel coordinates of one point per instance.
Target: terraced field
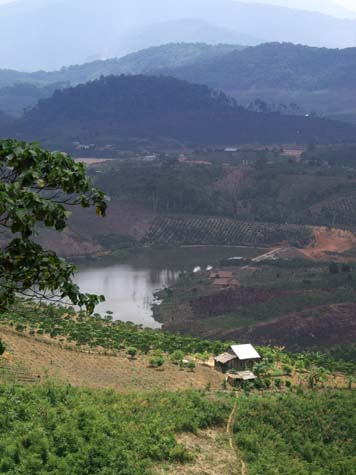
(338, 210)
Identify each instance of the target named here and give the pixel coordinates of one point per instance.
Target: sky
(324, 6)
(350, 4)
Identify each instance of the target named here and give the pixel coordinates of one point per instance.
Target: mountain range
(317, 80)
(48, 35)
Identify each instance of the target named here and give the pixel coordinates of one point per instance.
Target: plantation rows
(226, 301)
(336, 211)
(101, 333)
(222, 231)
(96, 331)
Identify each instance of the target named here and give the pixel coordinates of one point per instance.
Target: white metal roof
(245, 352)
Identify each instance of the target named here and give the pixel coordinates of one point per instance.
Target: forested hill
(162, 107)
(171, 55)
(316, 80)
(275, 65)
(228, 67)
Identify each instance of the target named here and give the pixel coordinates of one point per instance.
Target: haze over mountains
(48, 35)
(113, 109)
(317, 80)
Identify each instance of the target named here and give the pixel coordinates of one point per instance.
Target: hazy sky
(350, 4)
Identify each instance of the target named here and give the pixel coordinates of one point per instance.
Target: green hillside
(280, 74)
(143, 61)
(298, 434)
(316, 79)
(116, 108)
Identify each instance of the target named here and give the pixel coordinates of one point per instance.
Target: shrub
(259, 384)
(287, 369)
(177, 356)
(267, 383)
(191, 365)
(278, 382)
(132, 352)
(54, 429)
(156, 361)
(311, 433)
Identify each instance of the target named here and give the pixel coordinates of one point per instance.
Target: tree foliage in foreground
(37, 188)
(57, 430)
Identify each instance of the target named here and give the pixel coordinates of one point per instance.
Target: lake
(129, 285)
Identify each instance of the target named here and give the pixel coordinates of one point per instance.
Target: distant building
(238, 357)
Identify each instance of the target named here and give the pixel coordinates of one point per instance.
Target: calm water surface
(129, 287)
(128, 290)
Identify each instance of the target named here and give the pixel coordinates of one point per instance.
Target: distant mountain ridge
(151, 108)
(319, 80)
(21, 90)
(47, 35)
(143, 61)
(273, 65)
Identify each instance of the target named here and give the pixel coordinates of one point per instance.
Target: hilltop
(116, 108)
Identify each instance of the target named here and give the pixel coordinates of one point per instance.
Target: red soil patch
(329, 240)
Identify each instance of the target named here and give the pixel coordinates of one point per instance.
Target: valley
(177, 237)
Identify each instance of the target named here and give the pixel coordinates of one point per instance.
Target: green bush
(177, 356)
(191, 365)
(51, 429)
(132, 351)
(156, 361)
(311, 433)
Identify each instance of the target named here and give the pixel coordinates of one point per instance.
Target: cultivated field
(42, 358)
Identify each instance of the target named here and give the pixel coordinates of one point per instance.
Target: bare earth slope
(43, 357)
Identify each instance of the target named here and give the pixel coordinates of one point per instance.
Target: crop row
(97, 331)
(223, 231)
(336, 211)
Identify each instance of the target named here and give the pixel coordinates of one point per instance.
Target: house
(238, 357)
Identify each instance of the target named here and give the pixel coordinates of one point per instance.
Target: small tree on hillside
(132, 352)
(37, 189)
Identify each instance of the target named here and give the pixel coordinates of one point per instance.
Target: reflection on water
(128, 290)
(129, 287)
